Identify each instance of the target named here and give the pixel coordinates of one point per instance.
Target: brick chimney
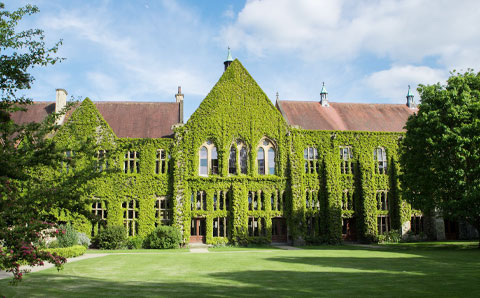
(60, 103)
(179, 100)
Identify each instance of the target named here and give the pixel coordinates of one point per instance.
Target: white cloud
(392, 83)
(403, 31)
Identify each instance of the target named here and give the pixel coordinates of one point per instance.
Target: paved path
(4, 274)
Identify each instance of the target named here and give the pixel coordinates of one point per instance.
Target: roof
(127, 119)
(140, 119)
(345, 116)
(36, 112)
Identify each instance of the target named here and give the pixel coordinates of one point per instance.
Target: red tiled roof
(140, 119)
(36, 112)
(127, 119)
(345, 116)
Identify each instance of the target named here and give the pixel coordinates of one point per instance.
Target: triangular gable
(237, 107)
(85, 122)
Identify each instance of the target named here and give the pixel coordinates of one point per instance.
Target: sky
(365, 51)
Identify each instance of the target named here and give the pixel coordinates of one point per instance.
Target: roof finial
(324, 96)
(410, 102)
(229, 59)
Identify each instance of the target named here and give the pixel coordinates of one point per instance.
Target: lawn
(326, 271)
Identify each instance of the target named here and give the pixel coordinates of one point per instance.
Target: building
(240, 169)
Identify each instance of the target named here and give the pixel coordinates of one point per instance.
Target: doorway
(279, 230)
(197, 230)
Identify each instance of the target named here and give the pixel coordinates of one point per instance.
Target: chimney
(179, 100)
(60, 103)
(229, 60)
(324, 96)
(410, 102)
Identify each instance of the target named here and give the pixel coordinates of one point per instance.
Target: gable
(236, 108)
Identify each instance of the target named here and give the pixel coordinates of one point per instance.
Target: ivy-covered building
(241, 169)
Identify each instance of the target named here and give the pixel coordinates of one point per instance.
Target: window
(68, 164)
(99, 209)
(276, 200)
(160, 162)
(266, 162)
(380, 158)
(310, 155)
(208, 159)
(346, 163)
(203, 161)
(311, 228)
(311, 200)
(382, 200)
(416, 224)
(383, 222)
(243, 160)
(223, 202)
(240, 148)
(348, 200)
(256, 201)
(162, 211)
(130, 163)
(256, 226)
(102, 163)
(232, 161)
(130, 216)
(200, 203)
(220, 227)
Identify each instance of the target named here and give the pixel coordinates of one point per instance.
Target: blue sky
(365, 51)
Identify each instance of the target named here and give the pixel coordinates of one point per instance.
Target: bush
(164, 237)
(392, 236)
(112, 237)
(53, 244)
(135, 242)
(68, 252)
(69, 237)
(83, 239)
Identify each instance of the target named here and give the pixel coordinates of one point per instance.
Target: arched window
(232, 160)
(261, 161)
(271, 161)
(208, 159)
(214, 161)
(243, 160)
(265, 163)
(203, 161)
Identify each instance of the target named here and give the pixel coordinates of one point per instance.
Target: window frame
(131, 223)
(267, 145)
(213, 168)
(381, 161)
(131, 165)
(347, 165)
(162, 215)
(161, 162)
(310, 155)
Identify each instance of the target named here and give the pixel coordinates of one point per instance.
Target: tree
(441, 150)
(26, 198)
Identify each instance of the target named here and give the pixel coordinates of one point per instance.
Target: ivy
(237, 110)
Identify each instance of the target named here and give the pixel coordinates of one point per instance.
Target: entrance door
(279, 230)
(348, 229)
(197, 230)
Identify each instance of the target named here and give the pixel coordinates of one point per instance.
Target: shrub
(53, 244)
(69, 237)
(112, 237)
(68, 252)
(164, 237)
(392, 236)
(135, 242)
(83, 239)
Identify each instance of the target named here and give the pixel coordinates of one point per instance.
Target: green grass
(387, 271)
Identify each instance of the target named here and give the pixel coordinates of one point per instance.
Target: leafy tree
(26, 197)
(441, 154)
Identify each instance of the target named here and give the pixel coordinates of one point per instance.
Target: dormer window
(208, 159)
